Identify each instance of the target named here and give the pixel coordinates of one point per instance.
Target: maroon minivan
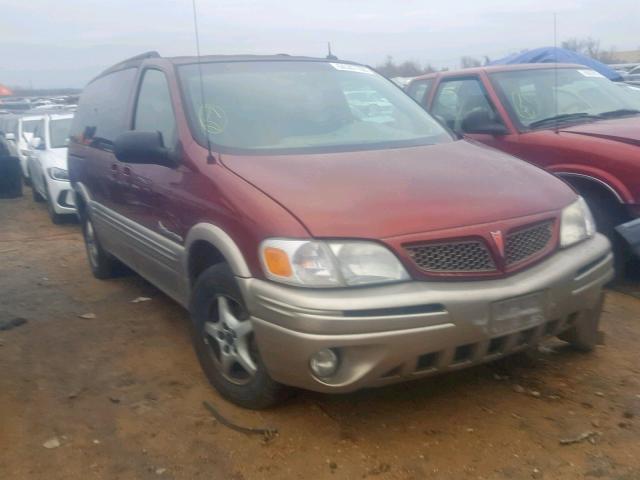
(323, 230)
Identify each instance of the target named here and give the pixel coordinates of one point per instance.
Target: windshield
(59, 132)
(284, 106)
(531, 95)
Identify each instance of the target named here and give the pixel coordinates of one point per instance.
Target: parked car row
(567, 119)
(39, 139)
(326, 232)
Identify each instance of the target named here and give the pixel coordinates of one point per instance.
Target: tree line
(409, 68)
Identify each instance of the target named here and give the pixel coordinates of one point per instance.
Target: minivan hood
(387, 193)
(626, 130)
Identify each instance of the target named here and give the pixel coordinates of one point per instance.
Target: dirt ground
(122, 393)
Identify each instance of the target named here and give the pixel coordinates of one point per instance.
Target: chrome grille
(465, 256)
(524, 244)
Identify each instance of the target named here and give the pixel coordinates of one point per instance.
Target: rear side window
(154, 112)
(102, 112)
(419, 90)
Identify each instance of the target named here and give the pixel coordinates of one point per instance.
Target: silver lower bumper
(397, 332)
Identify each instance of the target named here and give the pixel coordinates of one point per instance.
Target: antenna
(210, 157)
(555, 68)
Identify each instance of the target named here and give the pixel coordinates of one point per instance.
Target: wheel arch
(578, 180)
(207, 244)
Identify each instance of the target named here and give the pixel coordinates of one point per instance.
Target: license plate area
(517, 313)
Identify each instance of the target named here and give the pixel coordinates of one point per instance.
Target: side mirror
(36, 143)
(481, 122)
(10, 136)
(142, 148)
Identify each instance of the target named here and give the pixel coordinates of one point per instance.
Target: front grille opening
(464, 353)
(525, 337)
(462, 256)
(427, 361)
(551, 327)
(496, 345)
(523, 244)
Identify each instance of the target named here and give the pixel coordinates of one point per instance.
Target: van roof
(183, 60)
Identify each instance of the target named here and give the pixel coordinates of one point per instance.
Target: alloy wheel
(229, 335)
(90, 241)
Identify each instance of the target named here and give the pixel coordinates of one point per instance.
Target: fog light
(324, 363)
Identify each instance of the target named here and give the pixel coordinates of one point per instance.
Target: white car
(27, 124)
(47, 166)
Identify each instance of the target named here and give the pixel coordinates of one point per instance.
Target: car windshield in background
(538, 98)
(59, 132)
(297, 105)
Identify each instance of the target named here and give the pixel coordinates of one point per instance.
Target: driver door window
(457, 98)
(154, 112)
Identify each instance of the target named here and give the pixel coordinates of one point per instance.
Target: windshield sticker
(212, 118)
(351, 68)
(590, 73)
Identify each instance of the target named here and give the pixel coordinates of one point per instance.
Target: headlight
(577, 223)
(58, 173)
(330, 263)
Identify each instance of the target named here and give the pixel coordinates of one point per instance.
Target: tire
(583, 335)
(35, 194)
(215, 296)
(55, 217)
(103, 265)
(607, 215)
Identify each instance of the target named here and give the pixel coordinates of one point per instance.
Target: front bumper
(391, 333)
(62, 196)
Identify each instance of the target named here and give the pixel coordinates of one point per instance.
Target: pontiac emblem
(498, 239)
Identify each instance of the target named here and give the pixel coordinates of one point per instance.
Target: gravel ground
(119, 395)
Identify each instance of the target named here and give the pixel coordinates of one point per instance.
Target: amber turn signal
(277, 262)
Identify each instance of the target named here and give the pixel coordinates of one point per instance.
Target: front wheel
(55, 217)
(36, 195)
(103, 265)
(607, 215)
(225, 343)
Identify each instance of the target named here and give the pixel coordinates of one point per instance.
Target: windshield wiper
(563, 117)
(621, 112)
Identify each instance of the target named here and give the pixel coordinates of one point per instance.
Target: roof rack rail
(129, 62)
(142, 56)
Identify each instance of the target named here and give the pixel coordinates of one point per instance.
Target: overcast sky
(66, 42)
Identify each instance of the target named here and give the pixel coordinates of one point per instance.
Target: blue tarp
(558, 55)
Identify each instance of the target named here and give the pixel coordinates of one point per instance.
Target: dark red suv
(568, 119)
(324, 231)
